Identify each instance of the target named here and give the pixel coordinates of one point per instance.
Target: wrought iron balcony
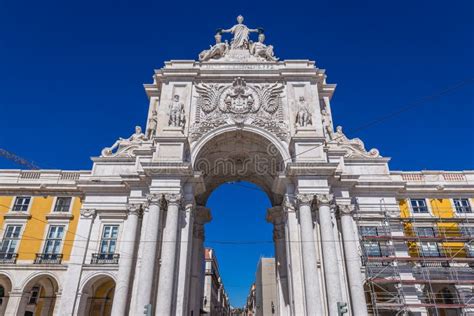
(105, 258)
(48, 258)
(8, 257)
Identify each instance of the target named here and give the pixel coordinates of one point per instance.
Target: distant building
(250, 305)
(266, 290)
(215, 300)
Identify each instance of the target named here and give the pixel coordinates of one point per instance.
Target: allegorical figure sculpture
(356, 146)
(303, 116)
(327, 124)
(259, 49)
(217, 51)
(176, 113)
(123, 144)
(241, 34)
(152, 125)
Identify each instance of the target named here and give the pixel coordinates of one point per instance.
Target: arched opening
(97, 296)
(241, 181)
(39, 296)
(5, 288)
(445, 299)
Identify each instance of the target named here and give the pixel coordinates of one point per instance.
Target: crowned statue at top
(241, 34)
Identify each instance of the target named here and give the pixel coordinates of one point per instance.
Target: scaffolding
(416, 264)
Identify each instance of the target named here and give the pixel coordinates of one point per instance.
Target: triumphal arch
(237, 113)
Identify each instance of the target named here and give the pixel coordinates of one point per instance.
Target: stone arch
(39, 294)
(245, 153)
(5, 289)
(280, 145)
(97, 295)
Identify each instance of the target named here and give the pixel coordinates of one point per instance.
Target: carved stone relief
(220, 104)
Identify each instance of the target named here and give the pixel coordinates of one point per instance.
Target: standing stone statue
(303, 116)
(176, 116)
(152, 125)
(259, 49)
(241, 34)
(327, 124)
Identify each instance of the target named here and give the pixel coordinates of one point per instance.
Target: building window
(35, 291)
(462, 206)
(428, 248)
(467, 231)
(419, 206)
(62, 204)
(367, 231)
(54, 239)
(371, 248)
(10, 240)
(109, 239)
(21, 203)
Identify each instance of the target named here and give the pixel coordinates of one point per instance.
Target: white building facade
(238, 113)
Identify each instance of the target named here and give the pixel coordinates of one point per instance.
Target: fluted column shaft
(311, 279)
(168, 256)
(149, 246)
(331, 266)
(356, 286)
(127, 251)
(185, 260)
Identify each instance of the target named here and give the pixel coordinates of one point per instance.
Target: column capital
(305, 199)
(135, 209)
(88, 213)
(324, 199)
(173, 198)
(345, 209)
(275, 215)
(154, 199)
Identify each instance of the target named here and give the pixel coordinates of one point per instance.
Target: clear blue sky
(71, 75)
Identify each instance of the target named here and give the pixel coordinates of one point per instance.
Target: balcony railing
(105, 258)
(8, 257)
(48, 258)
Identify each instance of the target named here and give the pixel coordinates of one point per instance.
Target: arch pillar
(276, 216)
(203, 216)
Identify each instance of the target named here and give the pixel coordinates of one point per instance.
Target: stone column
(353, 263)
(149, 246)
(294, 258)
(331, 266)
(13, 303)
(185, 253)
(165, 293)
(311, 279)
(69, 301)
(276, 216)
(126, 260)
(203, 215)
